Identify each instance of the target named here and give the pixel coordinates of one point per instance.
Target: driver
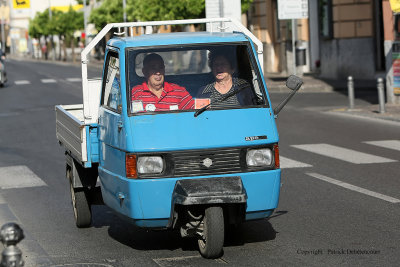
(155, 94)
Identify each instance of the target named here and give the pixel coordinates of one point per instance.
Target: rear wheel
(211, 239)
(80, 205)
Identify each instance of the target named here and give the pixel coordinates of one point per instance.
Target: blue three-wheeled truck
(196, 170)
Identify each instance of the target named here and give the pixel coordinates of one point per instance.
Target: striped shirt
(173, 97)
(216, 97)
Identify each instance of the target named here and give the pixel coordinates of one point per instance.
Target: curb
(392, 114)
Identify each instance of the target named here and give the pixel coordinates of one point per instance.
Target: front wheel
(211, 239)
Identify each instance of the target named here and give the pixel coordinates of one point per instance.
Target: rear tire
(80, 205)
(212, 240)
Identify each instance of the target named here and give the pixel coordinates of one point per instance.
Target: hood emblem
(207, 162)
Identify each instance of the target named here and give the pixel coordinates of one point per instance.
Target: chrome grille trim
(190, 163)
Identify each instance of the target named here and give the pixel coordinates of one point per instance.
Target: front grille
(206, 162)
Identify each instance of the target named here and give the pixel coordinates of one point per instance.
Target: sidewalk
(372, 111)
(313, 84)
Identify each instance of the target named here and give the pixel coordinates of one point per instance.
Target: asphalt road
(339, 203)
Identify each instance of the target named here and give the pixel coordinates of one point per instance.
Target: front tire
(211, 240)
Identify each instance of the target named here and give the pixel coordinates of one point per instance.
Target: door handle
(119, 124)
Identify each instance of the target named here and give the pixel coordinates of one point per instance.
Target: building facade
(276, 36)
(16, 20)
(341, 37)
(350, 38)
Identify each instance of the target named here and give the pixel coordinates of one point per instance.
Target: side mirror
(294, 83)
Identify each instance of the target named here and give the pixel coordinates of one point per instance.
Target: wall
(389, 39)
(352, 49)
(314, 36)
(343, 57)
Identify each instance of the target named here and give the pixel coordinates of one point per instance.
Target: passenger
(155, 94)
(222, 67)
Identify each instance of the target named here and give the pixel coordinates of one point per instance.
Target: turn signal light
(130, 166)
(276, 152)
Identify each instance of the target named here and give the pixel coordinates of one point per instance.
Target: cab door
(111, 129)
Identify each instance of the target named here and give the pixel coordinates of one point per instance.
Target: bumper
(148, 202)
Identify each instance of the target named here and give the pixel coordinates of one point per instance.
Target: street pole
(51, 38)
(124, 8)
(381, 95)
(294, 28)
(85, 21)
(10, 235)
(3, 48)
(350, 91)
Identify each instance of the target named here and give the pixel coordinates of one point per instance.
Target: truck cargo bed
(71, 130)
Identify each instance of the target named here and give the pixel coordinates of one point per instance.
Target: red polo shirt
(173, 97)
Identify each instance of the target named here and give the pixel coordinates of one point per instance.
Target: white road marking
(74, 79)
(48, 81)
(18, 177)
(287, 163)
(344, 154)
(354, 188)
(21, 82)
(391, 144)
(173, 260)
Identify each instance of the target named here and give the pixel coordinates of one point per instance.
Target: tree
(246, 5)
(40, 26)
(61, 24)
(109, 11)
(56, 27)
(147, 10)
(34, 29)
(64, 24)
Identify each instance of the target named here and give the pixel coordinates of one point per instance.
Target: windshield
(189, 78)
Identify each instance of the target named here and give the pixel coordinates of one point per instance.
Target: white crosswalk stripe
(344, 154)
(48, 80)
(18, 177)
(21, 82)
(391, 144)
(354, 188)
(287, 163)
(74, 79)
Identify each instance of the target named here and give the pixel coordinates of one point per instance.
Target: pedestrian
(44, 51)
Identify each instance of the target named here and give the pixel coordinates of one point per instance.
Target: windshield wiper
(199, 111)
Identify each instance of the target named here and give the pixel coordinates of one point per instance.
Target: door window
(112, 85)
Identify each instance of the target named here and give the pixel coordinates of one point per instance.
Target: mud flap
(207, 191)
